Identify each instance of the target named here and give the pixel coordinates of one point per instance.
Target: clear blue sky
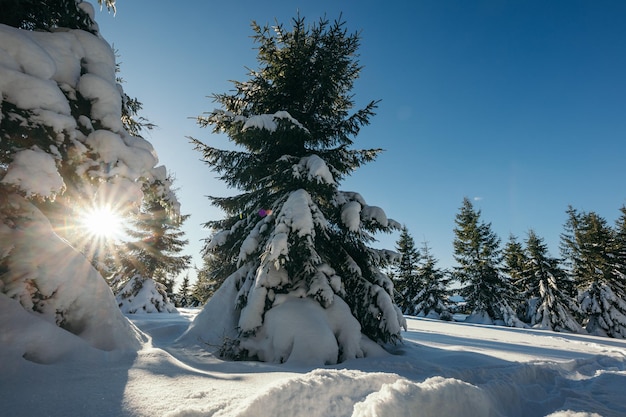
(519, 105)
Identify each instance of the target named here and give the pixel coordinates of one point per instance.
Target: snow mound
(56, 283)
(301, 331)
(217, 320)
(361, 394)
(298, 331)
(31, 337)
(144, 295)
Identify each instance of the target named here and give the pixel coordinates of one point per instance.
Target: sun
(103, 222)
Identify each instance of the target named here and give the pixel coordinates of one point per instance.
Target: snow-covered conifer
(152, 255)
(590, 245)
(215, 269)
(144, 295)
(432, 300)
(306, 284)
(486, 290)
(63, 148)
(620, 248)
(514, 259)
(184, 296)
(405, 271)
(549, 305)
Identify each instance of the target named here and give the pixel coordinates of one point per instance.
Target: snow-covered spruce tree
(63, 147)
(514, 259)
(432, 299)
(64, 211)
(525, 290)
(620, 248)
(550, 306)
(590, 246)
(405, 275)
(152, 256)
(184, 296)
(305, 284)
(486, 290)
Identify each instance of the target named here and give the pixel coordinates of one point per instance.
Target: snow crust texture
(361, 394)
(443, 369)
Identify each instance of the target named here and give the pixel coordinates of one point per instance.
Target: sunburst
(103, 222)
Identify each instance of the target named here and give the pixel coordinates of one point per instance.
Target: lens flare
(103, 222)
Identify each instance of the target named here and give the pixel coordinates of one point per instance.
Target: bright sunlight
(103, 222)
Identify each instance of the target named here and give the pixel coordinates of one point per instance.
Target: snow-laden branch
(313, 167)
(267, 122)
(47, 77)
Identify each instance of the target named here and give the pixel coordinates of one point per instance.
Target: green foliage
(185, 296)
(620, 245)
(589, 247)
(595, 256)
(156, 240)
(211, 276)
(307, 72)
(302, 90)
(45, 14)
(432, 299)
(477, 253)
(514, 261)
(548, 303)
(405, 271)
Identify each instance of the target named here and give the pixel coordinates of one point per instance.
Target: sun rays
(102, 222)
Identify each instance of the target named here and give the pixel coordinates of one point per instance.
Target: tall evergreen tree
(184, 297)
(153, 253)
(487, 292)
(432, 299)
(291, 232)
(620, 248)
(405, 271)
(156, 237)
(204, 287)
(569, 245)
(550, 306)
(590, 245)
(514, 259)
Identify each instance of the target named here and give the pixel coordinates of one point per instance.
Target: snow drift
(55, 284)
(443, 369)
(144, 295)
(297, 331)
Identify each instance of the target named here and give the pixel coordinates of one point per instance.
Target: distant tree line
(520, 284)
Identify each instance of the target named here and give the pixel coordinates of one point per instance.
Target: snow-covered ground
(443, 369)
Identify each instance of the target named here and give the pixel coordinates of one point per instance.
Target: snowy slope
(443, 369)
